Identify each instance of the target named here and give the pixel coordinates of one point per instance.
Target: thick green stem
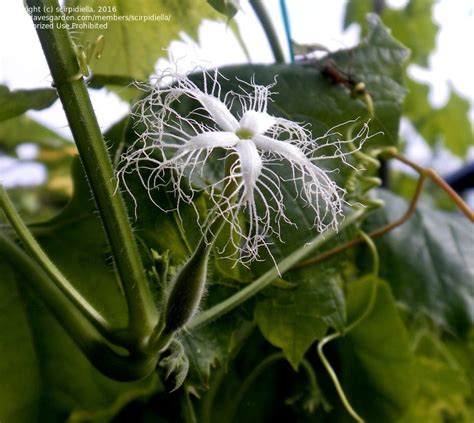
(267, 278)
(61, 58)
(270, 32)
(100, 353)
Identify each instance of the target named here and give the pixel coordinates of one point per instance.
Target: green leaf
(413, 25)
(15, 103)
(376, 361)
(417, 106)
(36, 352)
(356, 11)
(227, 7)
(23, 129)
(305, 95)
(293, 319)
(44, 376)
(213, 345)
(133, 47)
(428, 261)
(449, 124)
(176, 232)
(444, 391)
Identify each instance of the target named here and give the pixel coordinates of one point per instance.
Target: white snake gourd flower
(256, 143)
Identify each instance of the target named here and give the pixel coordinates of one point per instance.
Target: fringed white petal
(208, 140)
(317, 190)
(282, 148)
(257, 122)
(250, 167)
(218, 112)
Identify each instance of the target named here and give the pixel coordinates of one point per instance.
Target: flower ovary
(244, 133)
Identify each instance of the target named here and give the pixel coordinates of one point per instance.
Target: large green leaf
(376, 361)
(132, 46)
(429, 262)
(15, 103)
(44, 376)
(294, 319)
(304, 95)
(36, 352)
(414, 27)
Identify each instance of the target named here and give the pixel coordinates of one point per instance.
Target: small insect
(85, 54)
(329, 70)
(357, 88)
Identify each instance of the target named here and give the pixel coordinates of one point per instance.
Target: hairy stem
(269, 29)
(267, 278)
(61, 58)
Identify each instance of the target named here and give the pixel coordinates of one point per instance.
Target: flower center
(244, 133)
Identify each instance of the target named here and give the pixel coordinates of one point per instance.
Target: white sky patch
(14, 173)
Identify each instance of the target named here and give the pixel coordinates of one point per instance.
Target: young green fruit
(187, 291)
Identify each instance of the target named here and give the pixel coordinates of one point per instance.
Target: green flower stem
(267, 278)
(100, 353)
(270, 32)
(50, 269)
(60, 54)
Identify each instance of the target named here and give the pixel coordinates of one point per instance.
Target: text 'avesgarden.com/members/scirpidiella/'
(86, 17)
